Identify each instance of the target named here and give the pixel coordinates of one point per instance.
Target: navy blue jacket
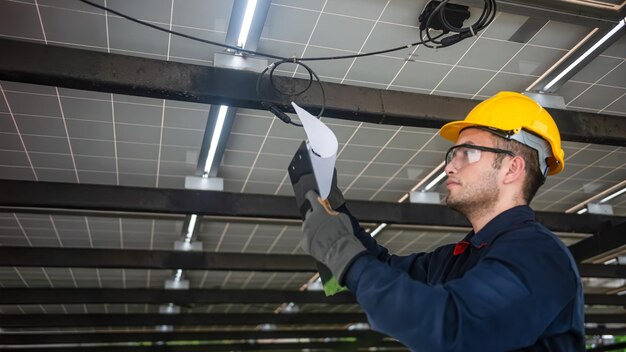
(513, 286)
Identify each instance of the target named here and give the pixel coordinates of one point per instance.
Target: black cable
(275, 109)
(486, 17)
(271, 56)
(190, 37)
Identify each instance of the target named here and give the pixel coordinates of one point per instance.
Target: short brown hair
(534, 177)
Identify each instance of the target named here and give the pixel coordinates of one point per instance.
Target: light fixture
(597, 4)
(589, 51)
(378, 229)
(435, 182)
(419, 184)
(217, 131)
(192, 224)
(603, 200)
(179, 275)
(607, 193)
(609, 197)
(290, 308)
(245, 25)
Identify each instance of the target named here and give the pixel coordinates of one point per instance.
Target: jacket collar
(502, 222)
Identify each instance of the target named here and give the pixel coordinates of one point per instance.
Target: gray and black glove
(307, 183)
(328, 237)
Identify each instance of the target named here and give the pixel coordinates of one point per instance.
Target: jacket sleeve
(504, 303)
(416, 265)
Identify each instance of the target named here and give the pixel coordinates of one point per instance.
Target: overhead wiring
(485, 19)
(275, 109)
(435, 12)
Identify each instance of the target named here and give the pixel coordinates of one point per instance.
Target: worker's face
(472, 180)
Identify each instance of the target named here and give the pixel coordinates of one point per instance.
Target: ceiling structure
(102, 120)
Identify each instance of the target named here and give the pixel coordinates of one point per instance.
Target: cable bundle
(437, 15)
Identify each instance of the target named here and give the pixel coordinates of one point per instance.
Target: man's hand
(328, 237)
(307, 183)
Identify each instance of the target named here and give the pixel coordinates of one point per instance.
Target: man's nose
(450, 168)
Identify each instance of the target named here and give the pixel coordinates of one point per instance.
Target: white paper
(322, 149)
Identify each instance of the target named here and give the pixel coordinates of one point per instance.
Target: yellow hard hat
(515, 115)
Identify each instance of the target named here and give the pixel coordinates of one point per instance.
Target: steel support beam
(599, 247)
(56, 338)
(613, 347)
(197, 296)
(99, 320)
(618, 318)
(605, 331)
(149, 259)
(78, 320)
(18, 196)
(89, 70)
(227, 347)
(156, 296)
(605, 300)
(603, 271)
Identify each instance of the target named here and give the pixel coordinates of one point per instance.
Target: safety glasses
(464, 154)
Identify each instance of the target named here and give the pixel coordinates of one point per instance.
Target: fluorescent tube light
(582, 211)
(192, 225)
(219, 125)
(419, 184)
(378, 229)
(434, 182)
(245, 25)
(608, 198)
(606, 37)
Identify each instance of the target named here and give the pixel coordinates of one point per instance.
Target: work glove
(307, 183)
(328, 237)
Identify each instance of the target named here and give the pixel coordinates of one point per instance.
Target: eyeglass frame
(477, 147)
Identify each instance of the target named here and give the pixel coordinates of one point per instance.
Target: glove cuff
(341, 254)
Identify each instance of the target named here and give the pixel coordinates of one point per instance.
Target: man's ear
(514, 169)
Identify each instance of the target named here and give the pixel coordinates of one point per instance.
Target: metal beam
(149, 259)
(89, 70)
(612, 347)
(21, 195)
(156, 296)
(617, 318)
(604, 271)
(197, 296)
(601, 245)
(226, 347)
(78, 320)
(605, 331)
(57, 338)
(97, 320)
(605, 300)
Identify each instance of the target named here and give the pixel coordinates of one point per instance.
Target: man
(510, 285)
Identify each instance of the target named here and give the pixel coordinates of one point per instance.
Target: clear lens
(462, 156)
